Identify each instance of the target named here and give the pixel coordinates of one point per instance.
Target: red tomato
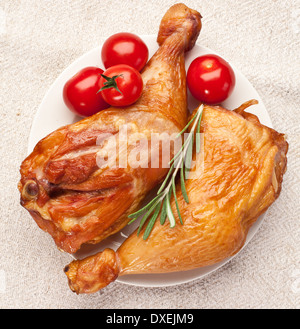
(210, 79)
(80, 92)
(124, 48)
(123, 85)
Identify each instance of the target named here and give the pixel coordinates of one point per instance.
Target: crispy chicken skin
(61, 184)
(238, 176)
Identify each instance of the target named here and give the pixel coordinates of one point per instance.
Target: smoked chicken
(62, 185)
(239, 175)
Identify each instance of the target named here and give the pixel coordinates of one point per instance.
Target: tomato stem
(111, 83)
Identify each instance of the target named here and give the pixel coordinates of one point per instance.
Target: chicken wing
(62, 185)
(239, 175)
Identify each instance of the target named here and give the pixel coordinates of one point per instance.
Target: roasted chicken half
(236, 176)
(62, 185)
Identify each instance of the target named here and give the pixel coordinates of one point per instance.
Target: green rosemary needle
(161, 202)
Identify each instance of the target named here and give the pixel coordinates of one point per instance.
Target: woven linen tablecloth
(39, 38)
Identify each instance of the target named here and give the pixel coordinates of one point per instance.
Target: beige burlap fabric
(39, 38)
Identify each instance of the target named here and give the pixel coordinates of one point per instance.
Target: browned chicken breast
(236, 176)
(62, 185)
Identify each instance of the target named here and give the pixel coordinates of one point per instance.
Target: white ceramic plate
(52, 114)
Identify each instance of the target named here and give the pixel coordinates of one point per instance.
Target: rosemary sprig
(161, 202)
